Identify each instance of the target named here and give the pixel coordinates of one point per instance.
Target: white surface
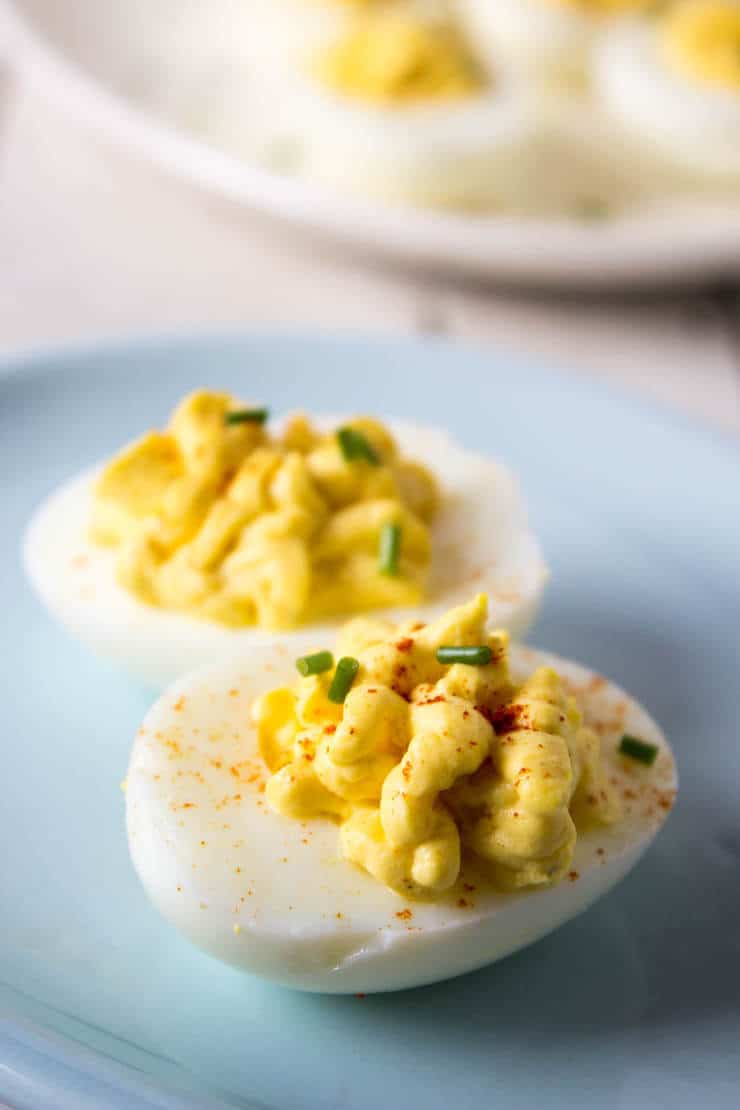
(97, 70)
(94, 243)
(306, 917)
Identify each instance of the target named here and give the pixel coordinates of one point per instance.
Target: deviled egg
(673, 78)
(400, 108)
(200, 541)
(547, 42)
(419, 802)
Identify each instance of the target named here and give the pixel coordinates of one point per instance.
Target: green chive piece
(592, 209)
(355, 446)
(344, 676)
(317, 663)
(476, 656)
(638, 749)
(389, 555)
(246, 416)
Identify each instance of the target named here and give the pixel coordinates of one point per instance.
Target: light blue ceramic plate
(635, 1004)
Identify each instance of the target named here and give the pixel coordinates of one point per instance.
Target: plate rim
(641, 250)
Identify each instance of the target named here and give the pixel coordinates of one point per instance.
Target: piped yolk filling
(391, 59)
(423, 760)
(701, 40)
(216, 517)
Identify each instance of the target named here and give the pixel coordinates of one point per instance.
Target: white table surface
(94, 243)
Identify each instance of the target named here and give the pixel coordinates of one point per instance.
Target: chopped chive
(592, 209)
(317, 663)
(476, 656)
(389, 555)
(355, 446)
(344, 676)
(246, 416)
(638, 749)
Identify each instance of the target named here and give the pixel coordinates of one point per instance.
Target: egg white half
(481, 543)
(545, 43)
(269, 36)
(472, 152)
(271, 896)
(695, 125)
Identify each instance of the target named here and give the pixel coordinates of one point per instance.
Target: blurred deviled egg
(400, 108)
(199, 541)
(673, 79)
(547, 42)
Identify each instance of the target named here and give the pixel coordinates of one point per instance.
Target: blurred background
(557, 178)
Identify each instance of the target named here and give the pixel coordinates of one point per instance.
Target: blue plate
(635, 1004)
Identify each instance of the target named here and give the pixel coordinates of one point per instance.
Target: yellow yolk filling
(701, 41)
(423, 759)
(232, 524)
(392, 59)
